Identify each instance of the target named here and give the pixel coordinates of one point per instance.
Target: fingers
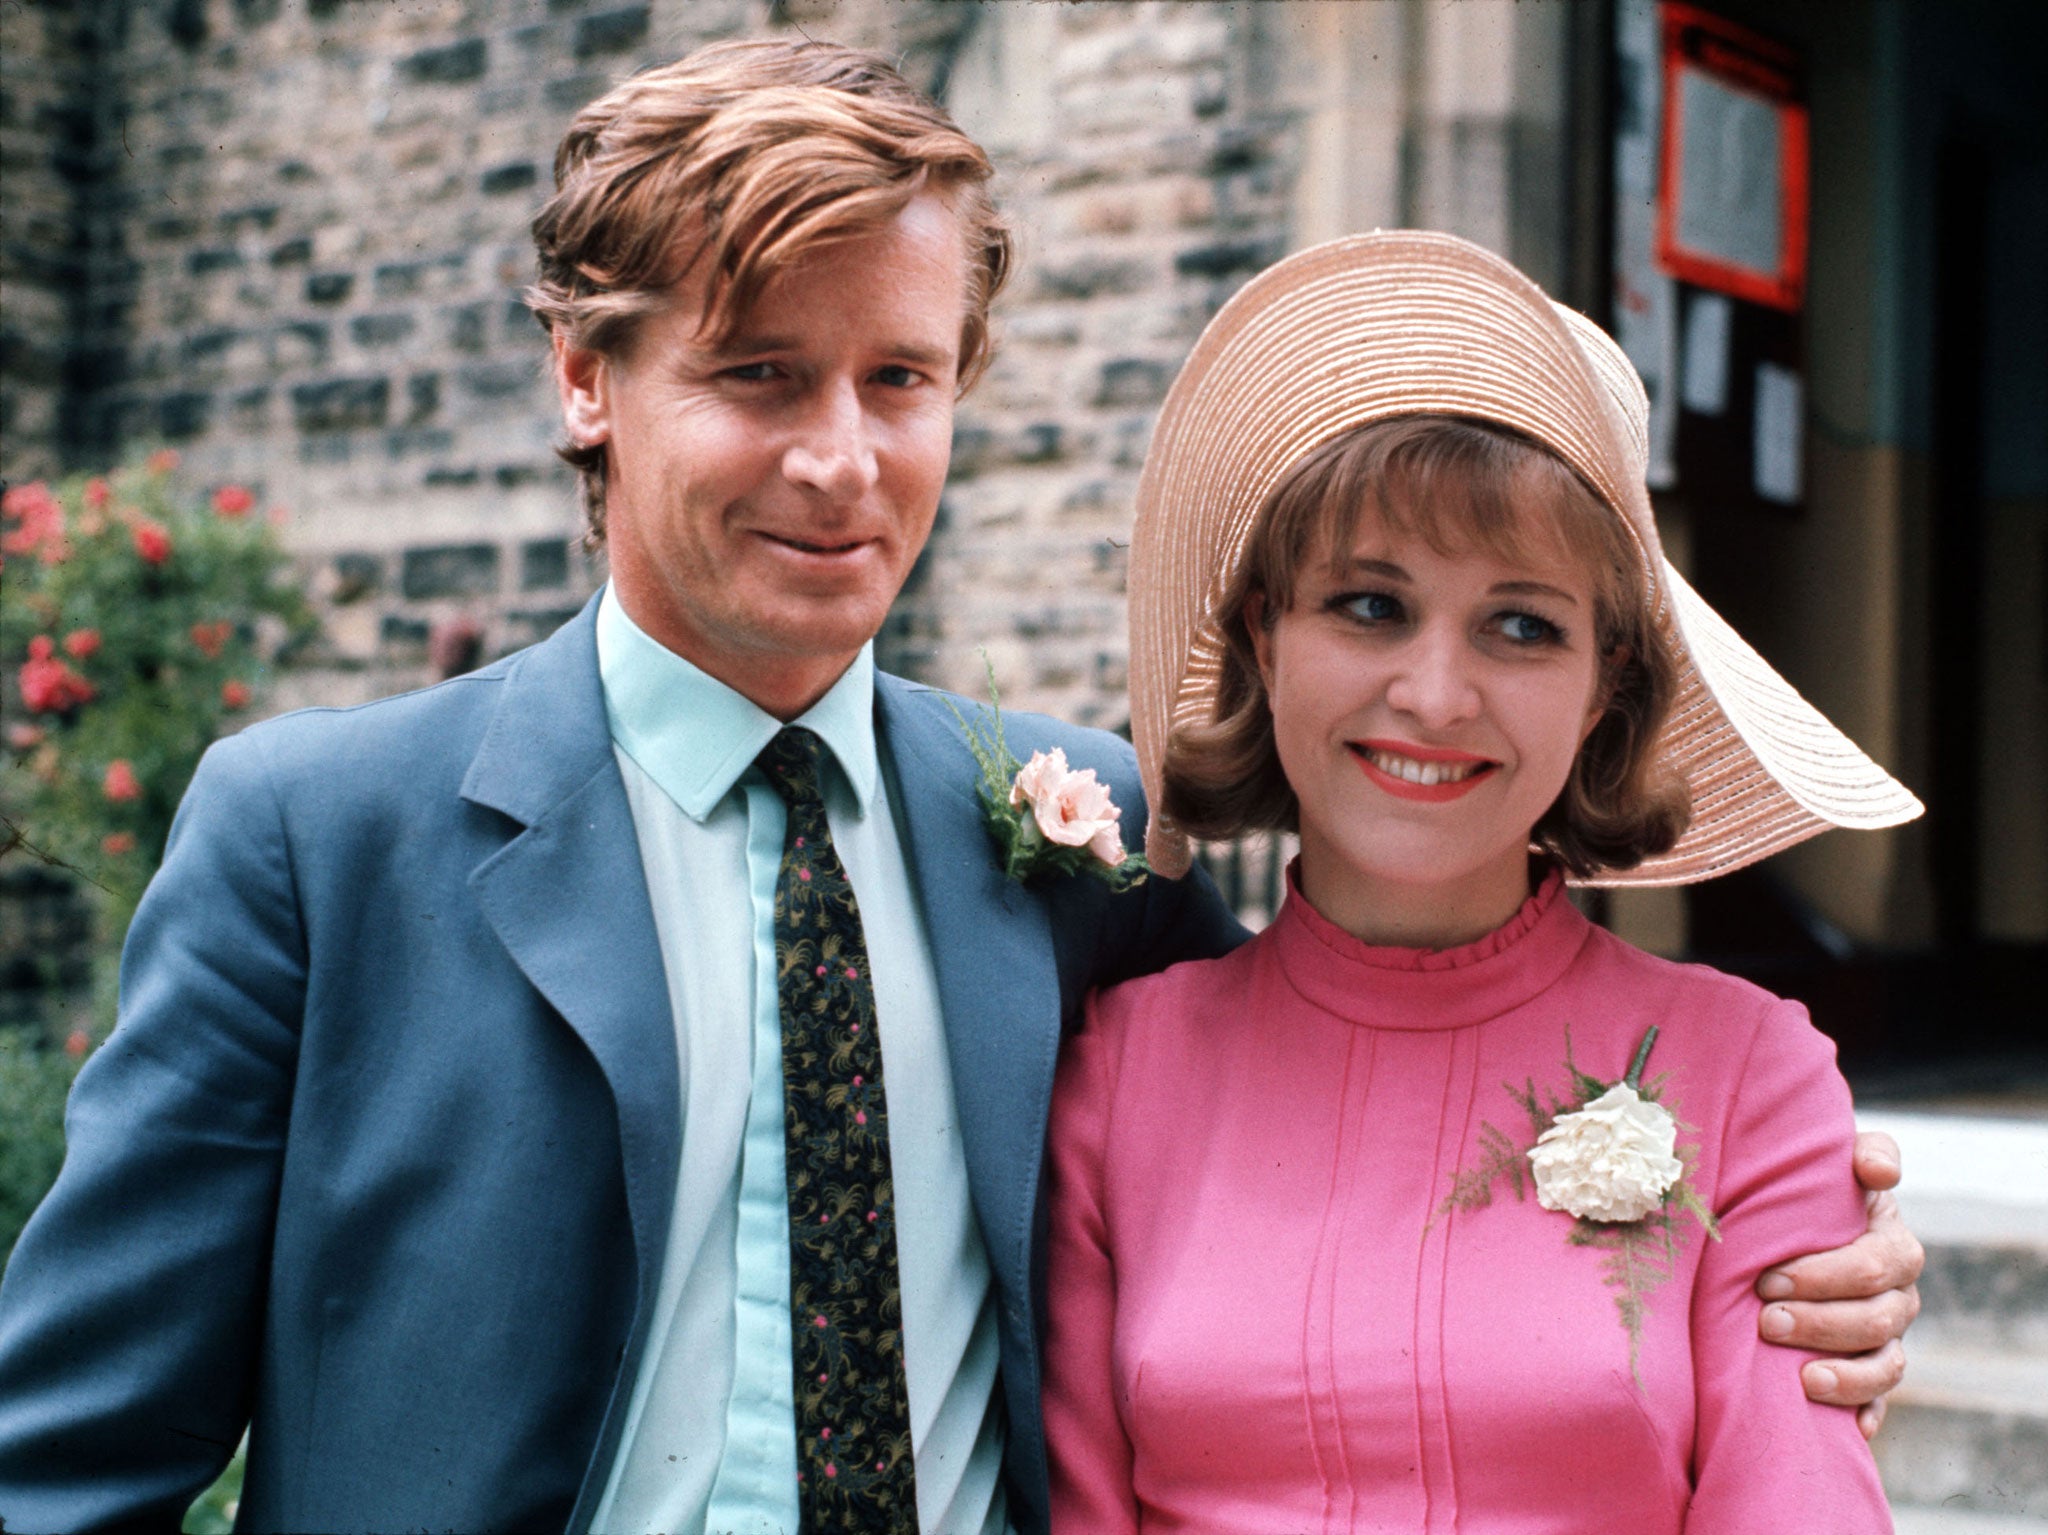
(1885, 1257)
(1841, 1326)
(1870, 1418)
(1877, 1160)
(1853, 1382)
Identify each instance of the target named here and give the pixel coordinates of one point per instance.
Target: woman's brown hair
(1458, 484)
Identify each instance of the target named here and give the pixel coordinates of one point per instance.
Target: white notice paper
(1708, 317)
(1732, 158)
(1780, 467)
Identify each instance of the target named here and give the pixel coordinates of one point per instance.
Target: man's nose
(833, 451)
(1434, 683)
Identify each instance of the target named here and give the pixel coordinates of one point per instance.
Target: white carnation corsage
(1608, 1155)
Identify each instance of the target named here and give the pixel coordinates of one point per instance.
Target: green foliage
(213, 1512)
(1026, 852)
(138, 619)
(33, 1083)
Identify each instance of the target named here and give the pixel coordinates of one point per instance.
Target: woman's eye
(752, 372)
(1371, 607)
(1526, 628)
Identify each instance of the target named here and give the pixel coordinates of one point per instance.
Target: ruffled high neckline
(1399, 988)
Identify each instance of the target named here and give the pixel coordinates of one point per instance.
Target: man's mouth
(816, 546)
(826, 547)
(1420, 772)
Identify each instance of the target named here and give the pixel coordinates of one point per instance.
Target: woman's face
(1427, 708)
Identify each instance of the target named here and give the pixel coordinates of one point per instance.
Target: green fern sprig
(1637, 1257)
(1026, 852)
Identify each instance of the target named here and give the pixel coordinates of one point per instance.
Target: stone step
(1988, 1295)
(1965, 1446)
(1970, 1179)
(1968, 1431)
(1910, 1520)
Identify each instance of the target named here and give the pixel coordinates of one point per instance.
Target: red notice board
(1732, 196)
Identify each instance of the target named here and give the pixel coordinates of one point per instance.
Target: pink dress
(1262, 1320)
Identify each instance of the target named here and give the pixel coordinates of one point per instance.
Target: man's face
(766, 498)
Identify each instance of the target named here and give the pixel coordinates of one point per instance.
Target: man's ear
(583, 383)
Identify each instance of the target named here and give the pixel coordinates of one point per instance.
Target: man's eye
(896, 376)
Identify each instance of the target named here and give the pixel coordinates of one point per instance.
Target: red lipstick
(1446, 788)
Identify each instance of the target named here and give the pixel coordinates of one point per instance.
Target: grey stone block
(329, 287)
(450, 570)
(450, 64)
(340, 404)
(422, 397)
(404, 633)
(610, 32)
(356, 576)
(543, 564)
(1132, 381)
(516, 177)
(185, 415)
(380, 329)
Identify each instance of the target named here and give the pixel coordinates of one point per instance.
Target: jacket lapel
(998, 982)
(568, 899)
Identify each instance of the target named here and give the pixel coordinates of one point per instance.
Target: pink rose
(41, 519)
(1108, 844)
(152, 541)
(121, 782)
(1072, 809)
(47, 684)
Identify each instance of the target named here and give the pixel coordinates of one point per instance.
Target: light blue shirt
(710, 1438)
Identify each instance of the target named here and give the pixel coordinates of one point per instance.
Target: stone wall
(59, 224)
(288, 237)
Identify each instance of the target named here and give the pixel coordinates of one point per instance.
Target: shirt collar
(694, 736)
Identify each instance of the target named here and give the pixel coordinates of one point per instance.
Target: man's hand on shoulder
(1855, 1301)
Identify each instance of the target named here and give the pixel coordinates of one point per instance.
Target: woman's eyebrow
(1533, 589)
(1385, 569)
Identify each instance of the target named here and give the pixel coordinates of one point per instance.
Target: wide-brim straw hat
(1403, 323)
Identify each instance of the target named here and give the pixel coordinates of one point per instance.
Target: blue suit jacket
(381, 1158)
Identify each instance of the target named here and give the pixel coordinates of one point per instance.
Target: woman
(1435, 1207)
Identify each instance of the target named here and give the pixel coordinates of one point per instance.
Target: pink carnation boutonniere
(1046, 816)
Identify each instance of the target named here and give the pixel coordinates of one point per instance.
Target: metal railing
(1251, 872)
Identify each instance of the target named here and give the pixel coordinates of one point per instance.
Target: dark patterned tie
(854, 1470)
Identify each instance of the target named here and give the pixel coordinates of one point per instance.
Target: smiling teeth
(1411, 771)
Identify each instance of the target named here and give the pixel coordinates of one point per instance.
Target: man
(496, 1123)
